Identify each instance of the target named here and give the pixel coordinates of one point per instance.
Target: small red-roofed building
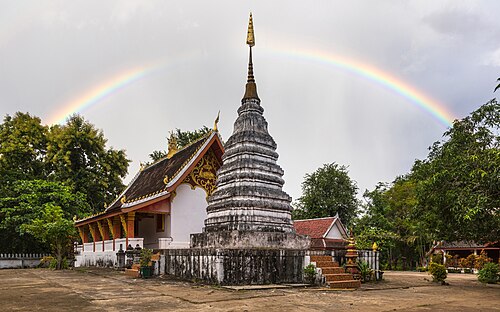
(325, 233)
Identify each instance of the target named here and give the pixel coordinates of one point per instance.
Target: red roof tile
(314, 228)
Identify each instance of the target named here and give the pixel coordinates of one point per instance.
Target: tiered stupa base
(249, 240)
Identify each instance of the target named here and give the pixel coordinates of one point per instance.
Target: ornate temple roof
(161, 177)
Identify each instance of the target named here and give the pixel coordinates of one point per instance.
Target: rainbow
(376, 75)
(122, 80)
(98, 93)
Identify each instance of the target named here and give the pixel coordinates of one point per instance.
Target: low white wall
(18, 261)
(86, 257)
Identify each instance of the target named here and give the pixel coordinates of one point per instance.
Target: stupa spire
(251, 87)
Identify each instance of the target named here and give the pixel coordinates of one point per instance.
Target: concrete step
(132, 273)
(327, 264)
(332, 270)
(338, 277)
(345, 284)
(321, 258)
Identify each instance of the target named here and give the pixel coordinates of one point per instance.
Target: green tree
(458, 185)
(389, 219)
(23, 146)
(78, 156)
(26, 203)
(54, 230)
(328, 191)
(184, 138)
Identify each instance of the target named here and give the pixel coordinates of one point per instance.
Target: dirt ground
(109, 290)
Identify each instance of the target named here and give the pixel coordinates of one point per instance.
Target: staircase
(335, 276)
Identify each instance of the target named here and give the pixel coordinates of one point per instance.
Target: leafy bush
(45, 262)
(437, 258)
(146, 255)
(421, 269)
(310, 273)
(53, 264)
(470, 261)
(438, 272)
(490, 273)
(365, 271)
(64, 264)
(481, 260)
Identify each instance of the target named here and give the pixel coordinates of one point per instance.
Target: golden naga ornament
(216, 122)
(172, 146)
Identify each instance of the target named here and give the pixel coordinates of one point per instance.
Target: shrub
(481, 260)
(489, 273)
(53, 264)
(438, 272)
(310, 273)
(421, 269)
(146, 255)
(437, 258)
(462, 262)
(364, 271)
(46, 261)
(470, 261)
(449, 260)
(64, 264)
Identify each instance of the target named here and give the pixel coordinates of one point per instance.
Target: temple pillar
(130, 225)
(117, 228)
(94, 233)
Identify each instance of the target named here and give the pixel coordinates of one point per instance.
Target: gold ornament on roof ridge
(172, 146)
(216, 121)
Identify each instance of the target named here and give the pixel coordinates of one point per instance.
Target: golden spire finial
(172, 145)
(251, 87)
(216, 121)
(250, 34)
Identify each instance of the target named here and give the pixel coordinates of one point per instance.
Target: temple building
(326, 233)
(163, 204)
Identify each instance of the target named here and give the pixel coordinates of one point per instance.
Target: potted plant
(310, 273)
(365, 271)
(145, 262)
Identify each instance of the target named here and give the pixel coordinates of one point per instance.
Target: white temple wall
(188, 213)
(147, 230)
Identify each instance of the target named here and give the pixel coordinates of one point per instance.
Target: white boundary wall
(19, 261)
(85, 255)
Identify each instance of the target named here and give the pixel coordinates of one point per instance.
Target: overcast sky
(54, 53)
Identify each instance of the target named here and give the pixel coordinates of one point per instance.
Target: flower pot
(146, 271)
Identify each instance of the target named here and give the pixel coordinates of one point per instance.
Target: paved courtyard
(108, 290)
